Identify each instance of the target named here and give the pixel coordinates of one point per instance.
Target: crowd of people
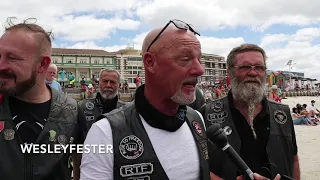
(162, 134)
(304, 115)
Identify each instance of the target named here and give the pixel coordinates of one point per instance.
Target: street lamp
(289, 63)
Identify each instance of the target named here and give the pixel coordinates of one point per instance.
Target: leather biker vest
(61, 122)
(280, 149)
(132, 147)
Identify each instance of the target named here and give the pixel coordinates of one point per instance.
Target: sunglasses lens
(181, 24)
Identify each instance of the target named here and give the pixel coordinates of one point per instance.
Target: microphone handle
(236, 159)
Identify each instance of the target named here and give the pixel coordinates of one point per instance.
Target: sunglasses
(180, 25)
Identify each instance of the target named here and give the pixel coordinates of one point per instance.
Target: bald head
(51, 72)
(165, 40)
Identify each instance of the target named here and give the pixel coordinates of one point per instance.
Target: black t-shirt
(252, 151)
(29, 118)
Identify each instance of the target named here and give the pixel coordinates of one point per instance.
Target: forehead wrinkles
(180, 42)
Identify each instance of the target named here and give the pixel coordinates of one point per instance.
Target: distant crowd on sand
(306, 115)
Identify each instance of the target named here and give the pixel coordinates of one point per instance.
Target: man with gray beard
(106, 99)
(260, 130)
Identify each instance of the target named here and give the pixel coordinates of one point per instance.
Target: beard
(184, 99)
(20, 88)
(250, 90)
(108, 94)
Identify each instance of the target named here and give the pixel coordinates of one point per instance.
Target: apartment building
(215, 68)
(129, 63)
(85, 62)
(81, 62)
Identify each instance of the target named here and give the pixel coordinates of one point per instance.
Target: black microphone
(219, 138)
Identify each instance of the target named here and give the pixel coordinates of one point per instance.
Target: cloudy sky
(287, 29)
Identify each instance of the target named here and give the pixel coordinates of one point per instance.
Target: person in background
(62, 74)
(107, 98)
(94, 82)
(137, 81)
(125, 87)
(50, 79)
(90, 91)
(274, 94)
(72, 79)
(314, 110)
(299, 119)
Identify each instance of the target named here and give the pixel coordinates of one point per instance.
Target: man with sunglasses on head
(260, 130)
(157, 136)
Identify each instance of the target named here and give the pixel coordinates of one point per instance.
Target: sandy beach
(308, 140)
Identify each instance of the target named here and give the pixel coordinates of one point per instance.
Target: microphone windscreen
(216, 135)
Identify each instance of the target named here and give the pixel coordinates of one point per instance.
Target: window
(96, 61)
(134, 58)
(83, 74)
(83, 61)
(131, 80)
(69, 60)
(108, 61)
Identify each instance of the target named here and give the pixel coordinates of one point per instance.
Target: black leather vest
(280, 149)
(132, 147)
(91, 110)
(61, 122)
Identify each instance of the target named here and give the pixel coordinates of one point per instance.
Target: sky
(286, 29)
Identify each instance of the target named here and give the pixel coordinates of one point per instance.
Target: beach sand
(308, 141)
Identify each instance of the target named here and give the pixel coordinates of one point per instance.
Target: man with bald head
(50, 79)
(25, 51)
(156, 136)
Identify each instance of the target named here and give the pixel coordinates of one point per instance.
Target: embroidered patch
(217, 106)
(8, 134)
(62, 139)
(217, 117)
(89, 105)
(204, 147)
(197, 128)
(90, 118)
(139, 178)
(88, 112)
(1, 125)
(52, 136)
(131, 147)
(136, 169)
(71, 140)
(280, 117)
(66, 107)
(227, 130)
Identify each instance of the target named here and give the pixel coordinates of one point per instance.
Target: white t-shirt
(177, 152)
(313, 108)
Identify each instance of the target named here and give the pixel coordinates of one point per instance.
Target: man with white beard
(260, 130)
(106, 99)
